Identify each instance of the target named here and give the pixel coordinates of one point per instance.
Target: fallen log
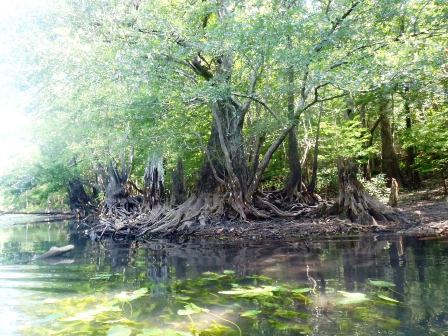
(55, 252)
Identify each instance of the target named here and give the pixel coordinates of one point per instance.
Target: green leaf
(388, 299)
(351, 298)
(163, 332)
(119, 331)
(131, 296)
(301, 290)
(251, 292)
(250, 313)
(191, 309)
(381, 283)
(89, 315)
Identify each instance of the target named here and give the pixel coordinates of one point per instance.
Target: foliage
(377, 187)
(108, 77)
(431, 139)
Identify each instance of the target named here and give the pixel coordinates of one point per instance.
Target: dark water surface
(373, 285)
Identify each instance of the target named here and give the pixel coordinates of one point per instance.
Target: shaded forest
(179, 112)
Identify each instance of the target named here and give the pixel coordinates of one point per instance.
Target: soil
(428, 211)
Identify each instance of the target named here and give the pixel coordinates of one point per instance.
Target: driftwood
(56, 252)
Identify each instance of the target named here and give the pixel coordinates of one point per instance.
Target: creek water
(368, 285)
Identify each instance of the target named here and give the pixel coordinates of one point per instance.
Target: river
(365, 285)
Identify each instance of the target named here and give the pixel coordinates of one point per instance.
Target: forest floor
(426, 213)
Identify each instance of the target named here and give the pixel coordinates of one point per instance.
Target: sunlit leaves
(381, 283)
(89, 315)
(252, 292)
(352, 298)
(131, 296)
(387, 299)
(190, 309)
(250, 313)
(119, 331)
(209, 310)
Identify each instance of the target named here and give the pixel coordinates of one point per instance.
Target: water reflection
(417, 268)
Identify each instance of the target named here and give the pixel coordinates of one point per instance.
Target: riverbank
(425, 218)
(425, 213)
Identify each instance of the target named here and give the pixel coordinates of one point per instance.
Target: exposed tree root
(131, 216)
(362, 208)
(355, 203)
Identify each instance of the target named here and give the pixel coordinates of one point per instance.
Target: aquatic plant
(213, 304)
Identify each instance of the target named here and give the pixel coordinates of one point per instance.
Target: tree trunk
(116, 186)
(223, 176)
(101, 177)
(445, 187)
(393, 196)
(390, 165)
(154, 181)
(354, 202)
(178, 192)
(313, 182)
(212, 168)
(78, 198)
(117, 193)
(295, 171)
(294, 181)
(366, 168)
(413, 177)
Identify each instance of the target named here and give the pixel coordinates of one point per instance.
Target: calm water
(353, 286)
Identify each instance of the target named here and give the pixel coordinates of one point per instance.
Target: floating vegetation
(221, 304)
(252, 292)
(388, 299)
(381, 283)
(351, 298)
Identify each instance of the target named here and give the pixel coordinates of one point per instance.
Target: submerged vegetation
(370, 285)
(176, 113)
(250, 305)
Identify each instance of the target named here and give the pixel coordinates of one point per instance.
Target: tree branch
(256, 73)
(259, 101)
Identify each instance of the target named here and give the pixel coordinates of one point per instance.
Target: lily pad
(119, 331)
(191, 309)
(351, 298)
(251, 292)
(131, 296)
(89, 315)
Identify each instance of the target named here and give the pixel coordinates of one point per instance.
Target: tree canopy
(243, 93)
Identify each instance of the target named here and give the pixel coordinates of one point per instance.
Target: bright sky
(15, 142)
